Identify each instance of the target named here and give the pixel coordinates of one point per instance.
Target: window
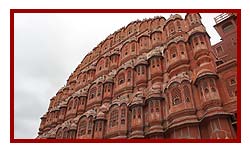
(106, 63)
(232, 86)
(125, 50)
(157, 106)
(142, 70)
(219, 50)
(109, 87)
(153, 62)
(59, 134)
(75, 103)
(133, 47)
(196, 41)
(123, 112)
(70, 104)
(176, 101)
(227, 27)
(151, 106)
(82, 101)
(90, 126)
(134, 113)
(114, 118)
(65, 133)
(176, 96)
(129, 76)
(173, 52)
(123, 115)
(96, 126)
(92, 93)
(105, 88)
(100, 126)
(212, 85)
(139, 112)
(186, 93)
(123, 121)
(99, 90)
(202, 39)
(201, 91)
(158, 62)
(171, 29)
(138, 70)
(178, 26)
(232, 82)
(182, 49)
(205, 86)
(121, 79)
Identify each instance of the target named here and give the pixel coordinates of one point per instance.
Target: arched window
(105, 88)
(178, 25)
(151, 106)
(153, 62)
(123, 116)
(109, 87)
(139, 112)
(106, 63)
(157, 106)
(99, 90)
(158, 61)
(123, 111)
(182, 49)
(70, 104)
(205, 87)
(92, 93)
(138, 70)
(84, 78)
(133, 47)
(190, 18)
(59, 134)
(196, 41)
(65, 133)
(82, 126)
(202, 39)
(144, 42)
(134, 113)
(125, 50)
(75, 103)
(114, 118)
(90, 126)
(171, 29)
(121, 79)
(232, 81)
(129, 76)
(173, 52)
(212, 85)
(186, 93)
(142, 69)
(176, 96)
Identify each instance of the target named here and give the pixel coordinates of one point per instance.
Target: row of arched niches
(155, 79)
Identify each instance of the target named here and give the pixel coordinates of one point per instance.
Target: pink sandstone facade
(155, 78)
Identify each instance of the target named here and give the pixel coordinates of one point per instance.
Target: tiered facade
(154, 78)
